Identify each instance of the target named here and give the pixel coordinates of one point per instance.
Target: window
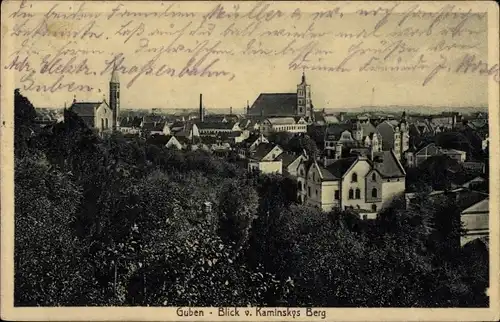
(299, 185)
(316, 192)
(301, 101)
(351, 194)
(358, 194)
(102, 123)
(374, 207)
(365, 217)
(337, 195)
(301, 93)
(301, 172)
(107, 123)
(308, 191)
(374, 177)
(374, 192)
(354, 177)
(117, 95)
(314, 176)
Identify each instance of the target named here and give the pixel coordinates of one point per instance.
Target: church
(100, 115)
(298, 104)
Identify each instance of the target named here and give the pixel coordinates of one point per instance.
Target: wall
(313, 186)
(301, 177)
(361, 168)
(270, 166)
(370, 184)
(391, 189)
(103, 113)
(327, 196)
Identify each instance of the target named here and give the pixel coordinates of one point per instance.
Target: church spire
(114, 76)
(114, 96)
(303, 76)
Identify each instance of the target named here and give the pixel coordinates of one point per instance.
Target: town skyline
(372, 99)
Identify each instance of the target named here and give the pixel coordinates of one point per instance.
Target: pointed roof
(263, 150)
(85, 108)
(481, 207)
(275, 104)
(114, 76)
(339, 167)
(387, 164)
(303, 78)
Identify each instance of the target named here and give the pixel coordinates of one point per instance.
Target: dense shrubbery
(121, 222)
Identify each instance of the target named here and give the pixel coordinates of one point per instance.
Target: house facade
(283, 124)
(266, 159)
(359, 183)
(216, 128)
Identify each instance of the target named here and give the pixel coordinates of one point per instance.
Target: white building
(265, 159)
(359, 183)
(284, 124)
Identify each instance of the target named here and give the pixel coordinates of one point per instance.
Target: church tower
(304, 98)
(114, 97)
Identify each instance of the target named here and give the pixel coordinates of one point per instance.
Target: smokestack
(201, 108)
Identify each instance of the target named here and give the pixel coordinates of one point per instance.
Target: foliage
(119, 221)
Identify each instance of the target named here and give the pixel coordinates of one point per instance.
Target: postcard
(250, 161)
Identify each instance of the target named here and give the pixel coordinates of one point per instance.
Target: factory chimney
(201, 108)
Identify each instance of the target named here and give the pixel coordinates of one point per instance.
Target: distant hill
(408, 109)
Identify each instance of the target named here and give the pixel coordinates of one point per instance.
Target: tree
(24, 118)
(49, 266)
(238, 206)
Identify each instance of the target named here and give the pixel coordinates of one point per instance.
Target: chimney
(201, 108)
(74, 99)
(230, 110)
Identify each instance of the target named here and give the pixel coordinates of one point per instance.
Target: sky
(255, 74)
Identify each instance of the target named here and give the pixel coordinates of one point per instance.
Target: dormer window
(354, 177)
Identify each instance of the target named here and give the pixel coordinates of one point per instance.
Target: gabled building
(247, 146)
(340, 139)
(266, 159)
(291, 162)
(96, 115)
(130, 125)
(395, 136)
(187, 130)
(414, 157)
(284, 104)
(157, 128)
(100, 115)
(355, 182)
(173, 143)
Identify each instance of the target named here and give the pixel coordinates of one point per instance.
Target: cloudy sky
(407, 38)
